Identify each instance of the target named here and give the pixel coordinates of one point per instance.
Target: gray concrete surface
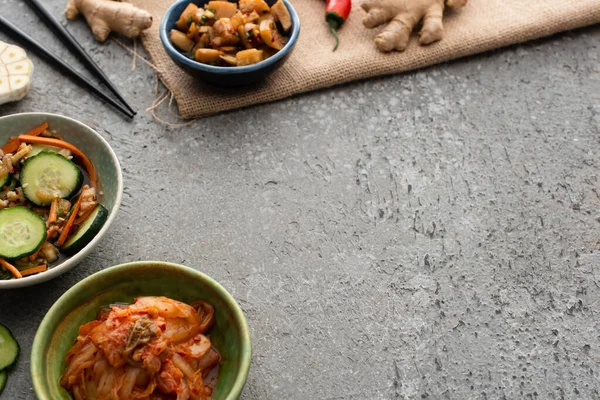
(431, 235)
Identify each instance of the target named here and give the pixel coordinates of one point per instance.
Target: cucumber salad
(49, 206)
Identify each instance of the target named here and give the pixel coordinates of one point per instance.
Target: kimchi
(153, 349)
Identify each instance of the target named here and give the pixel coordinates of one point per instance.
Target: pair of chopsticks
(17, 34)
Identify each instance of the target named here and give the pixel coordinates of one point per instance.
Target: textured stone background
(430, 235)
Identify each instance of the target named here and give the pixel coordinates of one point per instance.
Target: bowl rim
(174, 53)
(37, 357)
(81, 254)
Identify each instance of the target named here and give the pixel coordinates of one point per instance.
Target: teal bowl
(122, 283)
(110, 177)
(225, 76)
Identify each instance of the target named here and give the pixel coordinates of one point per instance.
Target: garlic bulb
(15, 73)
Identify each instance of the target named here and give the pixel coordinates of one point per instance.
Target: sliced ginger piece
(270, 35)
(223, 9)
(282, 15)
(237, 20)
(249, 57)
(186, 17)
(403, 16)
(208, 56)
(260, 6)
(180, 40)
(191, 33)
(252, 17)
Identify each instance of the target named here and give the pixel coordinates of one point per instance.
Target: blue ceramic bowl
(225, 76)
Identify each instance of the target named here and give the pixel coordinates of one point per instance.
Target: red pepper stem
(334, 21)
(333, 27)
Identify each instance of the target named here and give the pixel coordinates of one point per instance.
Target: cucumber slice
(5, 175)
(86, 232)
(48, 175)
(38, 148)
(8, 187)
(21, 232)
(3, 379)
(5, 180)
(9, 348)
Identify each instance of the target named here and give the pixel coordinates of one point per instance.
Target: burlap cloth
(482, 25)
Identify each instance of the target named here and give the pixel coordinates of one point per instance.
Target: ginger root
(404, 16)
(104, 16)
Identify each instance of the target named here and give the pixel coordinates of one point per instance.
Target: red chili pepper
(337, 13)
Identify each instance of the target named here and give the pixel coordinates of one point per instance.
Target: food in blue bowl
(229, 44)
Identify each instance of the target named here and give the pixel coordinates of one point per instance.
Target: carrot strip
(13, 144)
(53, 215)
(34, 255)
(34, 270)
(79, 220)
(65, 145)
(11, 268)
(70, 223)
(37, 131)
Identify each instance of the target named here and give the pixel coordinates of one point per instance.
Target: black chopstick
(66, 37)
(65, 68)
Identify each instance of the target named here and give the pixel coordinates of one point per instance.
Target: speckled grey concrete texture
(430, 235)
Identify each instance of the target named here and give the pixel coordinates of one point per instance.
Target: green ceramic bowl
(80, 304)
(102, 156)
